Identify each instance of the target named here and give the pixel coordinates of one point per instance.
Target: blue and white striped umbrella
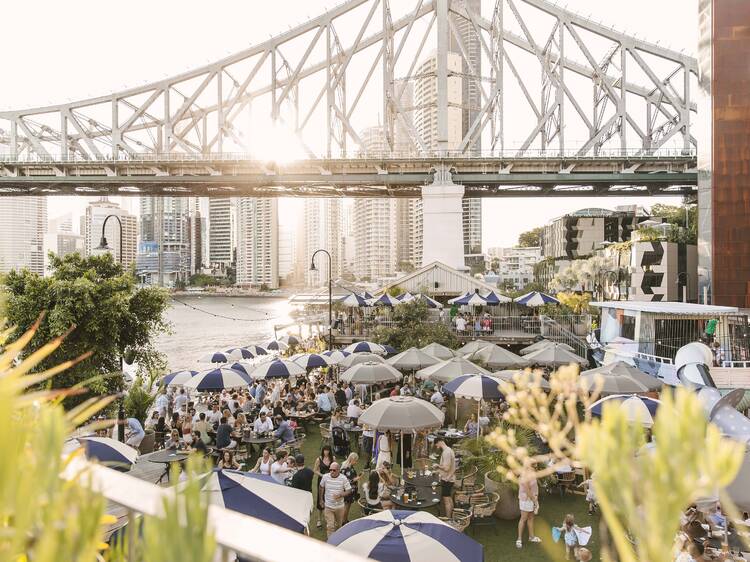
(214, 380)
(256, 349)
(290, 340)
(312, 361)
(470, 299)
(390, 350)
(277, 369)
(109, 452)
(243, 367)
(405, 297)
(240, 353)
(276, 345)
(638, 409)
(336, 356)
(385, 300)
(178, 378)
(478, 387)
(367, 295)
(494, 298)
(260, 496)
(355, 301)
(535, 298)
(217, 357)
(365, 347)
(406, 536)
(429, 301)
(467, 294)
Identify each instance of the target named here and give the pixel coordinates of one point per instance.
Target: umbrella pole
(479, 411)
(402, 453)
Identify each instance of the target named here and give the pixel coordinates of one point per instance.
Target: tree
(405, 266)
(675, 215)
(531, 238)
(413, 328)
(395, 291)
(109, 318)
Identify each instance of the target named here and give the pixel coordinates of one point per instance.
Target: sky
(60, 51)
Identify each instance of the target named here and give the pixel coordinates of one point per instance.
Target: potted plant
(487, 459)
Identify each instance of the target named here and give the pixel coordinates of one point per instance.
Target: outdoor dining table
(354, 432)
(302, 418)
(425, 498)
(421, 479)
(167, 457)
(269, 440)
(450, 436)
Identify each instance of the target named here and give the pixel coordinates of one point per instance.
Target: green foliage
(109, 313)
(528, 288)
(649, 234)
(139, 400)
(406, 266)
(395, 291)
(531, 238)
(675, 215)
(488, 458)
(203, 280)
(578, 303)
(413, 329)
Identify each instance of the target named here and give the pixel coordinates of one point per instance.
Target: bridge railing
(508, 154)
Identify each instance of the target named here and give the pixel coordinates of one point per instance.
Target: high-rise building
(220, 236)
(23, 223)
(322, 230)
(287, 252)
(425, 98)
(197, 234)
(96, 214)
(164, 249)
(258, 242)
(60, 239)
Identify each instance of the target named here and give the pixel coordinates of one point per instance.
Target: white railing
(251, 538)
(655, 358)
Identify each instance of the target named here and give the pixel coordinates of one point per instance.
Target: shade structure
(439, 351)
(496, 357)
(355, 301)
(405, 297)
(535, 298)
(385, 300)
(448, 370)
(256, 349)
(260, 496)
(412, 359)
(240, 353)
(214, 380)
(312, 361)
(365, 347)
(397, 413)
(290, 340)
(473, 346)
(472, 299)
(510, 376)
(494, 298)
(554, 356)
(336, 356)
(109, 452)
(367, 295)
(619, 378)
(465, 295)
(406, 536)
(390, 351)
(217, 357)
(638, 409)
(277, 369)
(544, 343)
(478, 387)
(178, 378)
(427, 300)
(276, 345)
(371, 373)
(357, 358)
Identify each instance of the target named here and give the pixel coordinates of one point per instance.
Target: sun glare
(277, 143)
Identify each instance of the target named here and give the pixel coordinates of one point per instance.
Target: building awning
(674, 308)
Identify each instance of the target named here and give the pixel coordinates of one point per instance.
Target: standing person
(368, 438)
(384, 449)
(181, 400)
(321, 467)
(162, 404)
(528, 502)
(349, 469)
(334, 487)
(447, 470)
(303, 478)
(135, 433)
(340, 396)
(460, 324)
(568, 531)
(279, 469)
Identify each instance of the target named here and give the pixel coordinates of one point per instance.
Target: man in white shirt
(334, 487)
(437, 399)
(353, 411)
(262, 423)
(180, 401)
(215, 416)
(162, 403)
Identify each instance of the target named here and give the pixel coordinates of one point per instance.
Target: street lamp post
(121, 408)
(684, 286)
(330, 292)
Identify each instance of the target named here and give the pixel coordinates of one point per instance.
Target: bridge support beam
(442, 222)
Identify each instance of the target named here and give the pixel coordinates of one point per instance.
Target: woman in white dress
(384, 449)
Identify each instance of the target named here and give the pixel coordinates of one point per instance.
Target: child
(568, 530)
(588, 486)
(584, 554)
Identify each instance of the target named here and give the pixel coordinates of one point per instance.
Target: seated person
(198, 445)
(175, 441)
(284, 431)
(224, 435)
(263, 423)
(228, 461)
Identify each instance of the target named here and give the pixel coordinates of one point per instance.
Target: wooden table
(426, 499)
(167, 457)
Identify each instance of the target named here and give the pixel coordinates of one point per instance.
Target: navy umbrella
(313, 361)
(240, 353)
(276, 345)
(277, 369)
(217, 357)
(177, 378)
(406, 536)
(214, 380)
(478, 387)
(109, 452)
(256, 349)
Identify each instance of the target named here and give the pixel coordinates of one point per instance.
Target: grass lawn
(498, 540)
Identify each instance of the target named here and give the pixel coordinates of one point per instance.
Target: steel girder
(641, 91)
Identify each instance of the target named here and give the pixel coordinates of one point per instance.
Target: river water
(202, 324)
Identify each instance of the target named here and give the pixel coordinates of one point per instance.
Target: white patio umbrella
(371, 373)
(214, 380)
(619, 378)
(542, 344)
(510, 376)
(496, 357)
(439, 351)
(412, 359)
(356, 358)
(472, 346)
(554, 356)
(312, 360)
(637, 409)
(399, 413)
(448, 370)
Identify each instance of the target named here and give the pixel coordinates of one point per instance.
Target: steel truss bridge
(546, 74)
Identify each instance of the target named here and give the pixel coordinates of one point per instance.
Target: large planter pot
(507, 506)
